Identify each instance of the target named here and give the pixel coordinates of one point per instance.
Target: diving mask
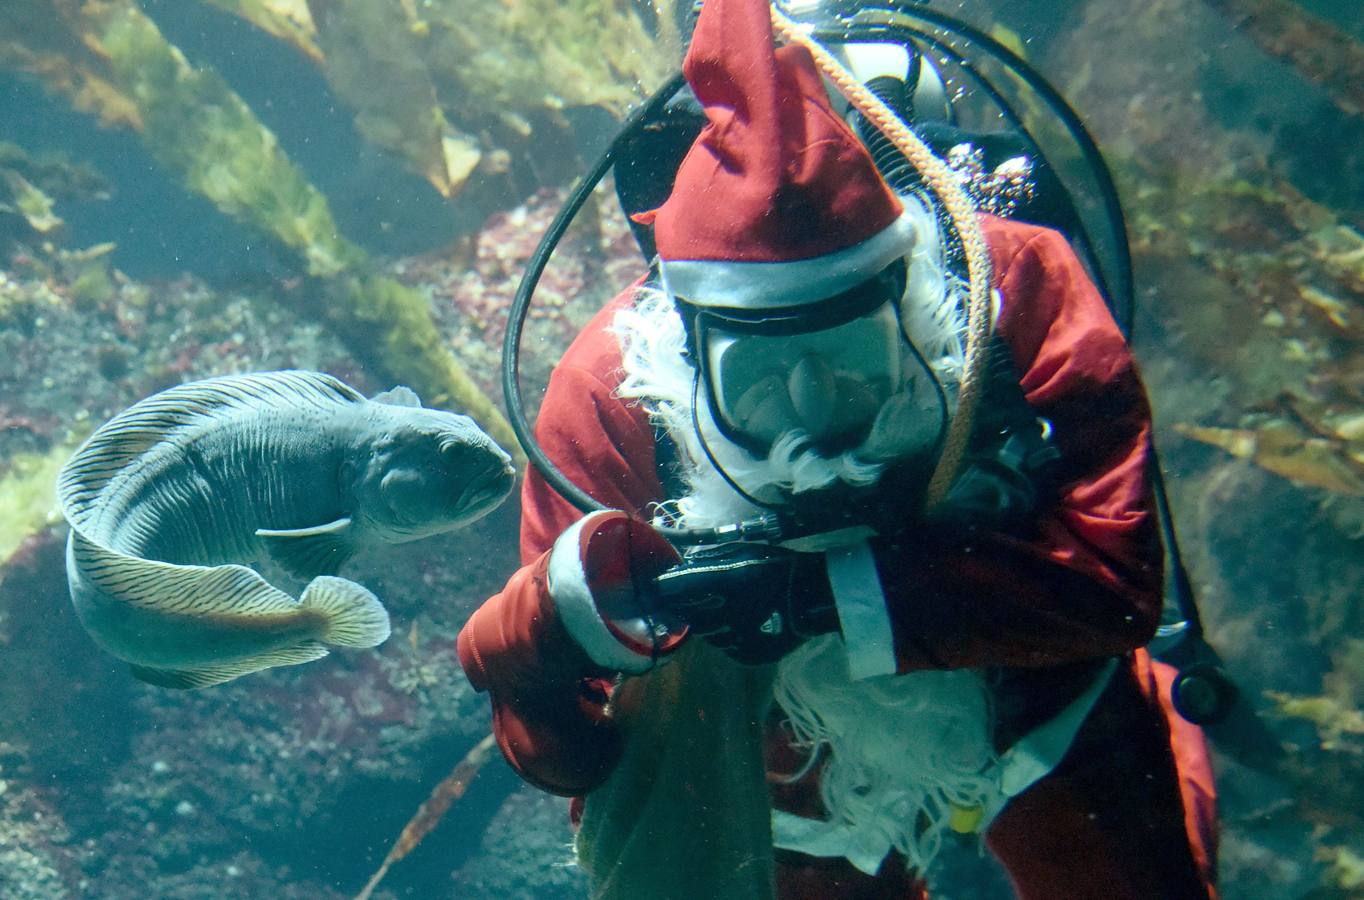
(829, 370)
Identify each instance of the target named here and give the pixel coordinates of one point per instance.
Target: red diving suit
(1129, 809)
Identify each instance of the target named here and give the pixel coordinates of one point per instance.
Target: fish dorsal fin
(206, 676)
(313, 551)
(175, 411)
(169, 588)
(400, 395)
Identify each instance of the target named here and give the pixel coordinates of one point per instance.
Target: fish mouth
(487, 490)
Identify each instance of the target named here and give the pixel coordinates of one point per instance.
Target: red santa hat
(777, 203)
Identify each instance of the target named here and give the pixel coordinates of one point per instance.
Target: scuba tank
(653, 140)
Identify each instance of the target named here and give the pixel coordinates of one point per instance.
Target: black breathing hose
(525, 291)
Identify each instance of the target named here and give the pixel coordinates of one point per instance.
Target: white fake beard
(652, 339)
(902, 750)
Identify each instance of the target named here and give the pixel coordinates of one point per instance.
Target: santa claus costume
(967, 677)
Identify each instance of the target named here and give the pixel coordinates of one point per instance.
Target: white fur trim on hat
(769, 285)
(572, 597)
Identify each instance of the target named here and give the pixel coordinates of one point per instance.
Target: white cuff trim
(572, 597)
(867, 635)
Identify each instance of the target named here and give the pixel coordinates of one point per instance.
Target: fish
(172, 500)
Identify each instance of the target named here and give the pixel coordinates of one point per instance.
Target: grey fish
(170, 498)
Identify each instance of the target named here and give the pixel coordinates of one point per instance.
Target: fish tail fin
(355, 617)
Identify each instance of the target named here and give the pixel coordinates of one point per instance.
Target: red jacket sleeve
(1089, 583)
(548, 696)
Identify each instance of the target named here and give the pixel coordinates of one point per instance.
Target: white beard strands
(903, 751)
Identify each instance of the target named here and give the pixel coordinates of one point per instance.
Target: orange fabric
(1194, 763)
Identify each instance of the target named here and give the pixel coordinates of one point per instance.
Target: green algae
(28, 497)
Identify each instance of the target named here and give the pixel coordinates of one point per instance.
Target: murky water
(197, 188)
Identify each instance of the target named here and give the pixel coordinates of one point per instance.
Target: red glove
(601, 578)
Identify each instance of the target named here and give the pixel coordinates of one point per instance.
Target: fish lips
(487, 489)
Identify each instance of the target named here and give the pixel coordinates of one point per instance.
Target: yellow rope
(963, 213)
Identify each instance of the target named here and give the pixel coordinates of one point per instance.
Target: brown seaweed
(429, 814)
(1322, 53)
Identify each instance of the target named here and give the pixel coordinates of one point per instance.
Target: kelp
(391, 322)
(1297, 273)
(467, 83)
(288, 20)
(433, 809)
(197, 127)
(32, 186)
(202, 132)
(54, 173)
(1347, 867)
(1251, 331)
(1326, 774)
(1287, 448)
(37, 37)
(107, 57)
(399, 111)
(1322, 53)
(18, 197)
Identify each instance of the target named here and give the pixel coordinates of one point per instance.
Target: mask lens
(829, 383)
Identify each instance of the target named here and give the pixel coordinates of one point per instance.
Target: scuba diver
(930, 558)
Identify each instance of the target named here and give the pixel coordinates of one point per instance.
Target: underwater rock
(33, 864)
(526, 854)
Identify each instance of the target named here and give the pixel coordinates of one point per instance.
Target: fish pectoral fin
(207, 676)
(309, 552)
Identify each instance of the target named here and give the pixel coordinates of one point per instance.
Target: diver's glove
(755, 602)
(600, 577)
